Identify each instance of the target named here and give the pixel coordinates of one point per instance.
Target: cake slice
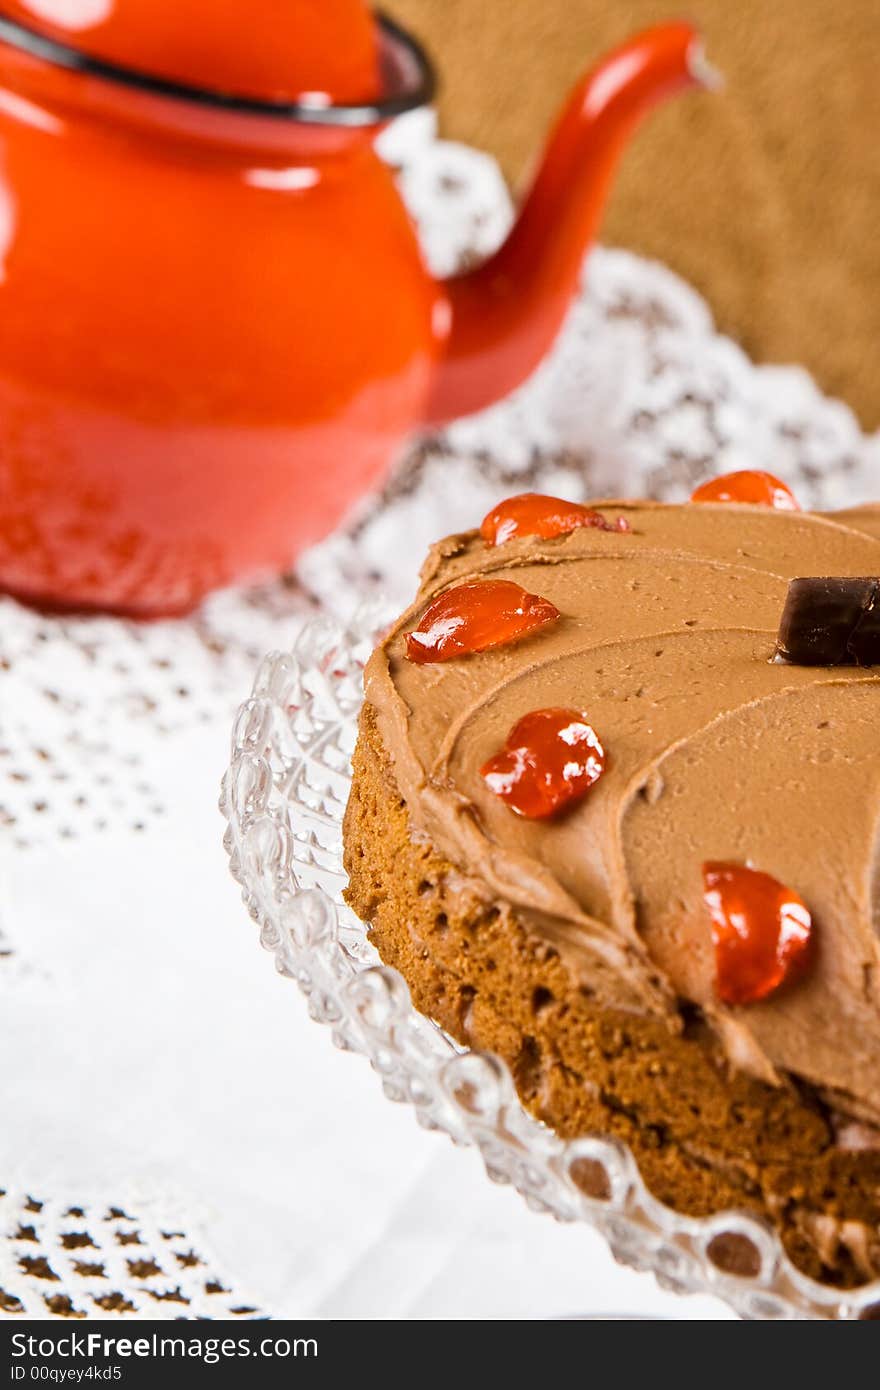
(605, 832)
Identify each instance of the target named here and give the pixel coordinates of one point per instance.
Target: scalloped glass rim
(283, 798)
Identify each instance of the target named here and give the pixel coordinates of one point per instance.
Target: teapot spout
(504, 316)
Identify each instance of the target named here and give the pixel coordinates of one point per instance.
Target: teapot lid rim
(418, 90)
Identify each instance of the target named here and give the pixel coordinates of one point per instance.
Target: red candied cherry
(475, 617)
(534, 514)
(760, 928)
(748, 485)
(550, 759)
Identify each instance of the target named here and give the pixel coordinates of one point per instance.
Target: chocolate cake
(608, 827)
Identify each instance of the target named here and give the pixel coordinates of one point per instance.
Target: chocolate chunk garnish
(831, 622)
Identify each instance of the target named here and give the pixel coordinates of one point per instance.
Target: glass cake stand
(283, 797)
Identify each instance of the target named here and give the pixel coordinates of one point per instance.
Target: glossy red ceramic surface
(217, 325)
(264, 48)
(506, 314)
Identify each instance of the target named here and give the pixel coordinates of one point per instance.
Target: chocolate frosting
(715, 751)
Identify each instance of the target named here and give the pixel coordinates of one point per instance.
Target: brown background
(765, 196)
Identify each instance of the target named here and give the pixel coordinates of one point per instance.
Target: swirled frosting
(715, 751)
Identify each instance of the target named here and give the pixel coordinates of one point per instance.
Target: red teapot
(217, 327)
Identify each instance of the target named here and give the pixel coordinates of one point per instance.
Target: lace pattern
(81, 1260)
(100, 717)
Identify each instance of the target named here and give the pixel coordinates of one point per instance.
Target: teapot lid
(320, 53)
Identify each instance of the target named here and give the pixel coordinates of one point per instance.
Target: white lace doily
(94, 1260)
(113, 736)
